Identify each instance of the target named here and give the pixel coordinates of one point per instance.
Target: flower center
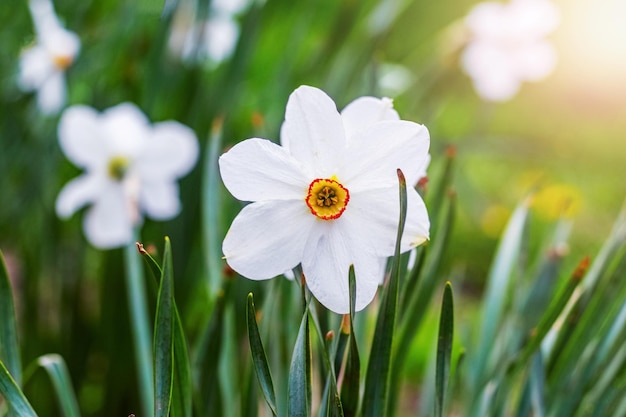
(118, 166)
(62, 62)
(327, 198)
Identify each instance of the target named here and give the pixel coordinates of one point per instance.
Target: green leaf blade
(352, 374)
(163, 338)
(259, 358)
(444, 349)
(377, 377)
(182, 400)
(55, 366)
(13, 395)
(299, 404)
(497, 284)
(9, 346)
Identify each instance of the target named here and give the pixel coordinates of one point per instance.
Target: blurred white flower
(43, 65)
(131, 167)
(394, 79)
(328, 197)
(207, 41)
(508, 46)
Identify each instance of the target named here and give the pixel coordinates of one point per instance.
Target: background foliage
(566, 132)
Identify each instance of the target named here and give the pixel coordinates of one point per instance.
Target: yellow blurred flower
(557, 200)
(494, 220)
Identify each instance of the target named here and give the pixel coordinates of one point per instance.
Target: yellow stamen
(327, 198)
(62, 61)
(118, 165)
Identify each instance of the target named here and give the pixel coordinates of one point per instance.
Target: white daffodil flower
(131, 168)
(208, 41)
(326, 199)
(508, 46)
(43, 65)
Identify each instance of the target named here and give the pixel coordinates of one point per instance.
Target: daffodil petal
(487, 20)
(77, 193)
(534, 18)
(159, 199)
(257, 169)
(267, 238)
(51, 94)
(35, 68)
(313, 130)
(171, 152)
(379, 209)
(364, 112)
(373, 157)
(536, 61)
(382, 269)
(61, 42)
(128, 131)
(108, 223)
(327, 258)
(80, 137)
(417, 224)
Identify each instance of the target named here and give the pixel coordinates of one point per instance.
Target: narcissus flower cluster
(43, 65)
(328, 197)
(131, 168)
(508, 46)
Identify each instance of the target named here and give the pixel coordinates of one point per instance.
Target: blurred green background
(565, 135)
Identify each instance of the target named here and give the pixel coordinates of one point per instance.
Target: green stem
(142, 341)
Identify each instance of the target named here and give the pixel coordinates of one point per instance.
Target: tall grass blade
(352, 376)
(444, 349)
(13, 395)
(140, 325)
(259, 358)
(211, 208)
(330, 405)
(299, 404)
(497, 285)
(552, 313)
(60, 377)
(416, 303)
(377, 377)
(537, 385)
(207, 355)
(9, 345)
(163, 337)
(182, 390)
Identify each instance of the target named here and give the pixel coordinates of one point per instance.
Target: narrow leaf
(211, 208)
(352, 374)
(181, 405)
(140, 327)
(9, 346)
(207, 355)
(331, 403)
(181, 385)
(444, 349)
(537, 385)
(13, 395)
(416, 303)
(300, 372)
(552, 313)
(60, 377)
(497, 283)
(259, 358)
(377, 377)
(163, 338)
